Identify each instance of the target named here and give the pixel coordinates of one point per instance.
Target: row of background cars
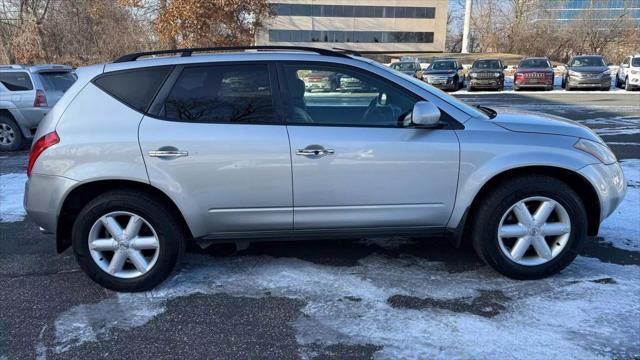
(581, 72)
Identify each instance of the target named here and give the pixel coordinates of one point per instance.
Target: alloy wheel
(7, 134)
(534, 231)
(123, 244)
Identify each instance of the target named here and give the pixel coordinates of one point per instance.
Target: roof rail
(190, 51)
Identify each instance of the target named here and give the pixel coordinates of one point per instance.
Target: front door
(220, 151)
(357, 162)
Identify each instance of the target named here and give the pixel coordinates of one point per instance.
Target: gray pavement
(385, 298)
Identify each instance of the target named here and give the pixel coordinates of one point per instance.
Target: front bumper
(486, 83)
(609, 182)
(43, 197)
(582, 82)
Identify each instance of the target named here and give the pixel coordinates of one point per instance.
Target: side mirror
(425, 115)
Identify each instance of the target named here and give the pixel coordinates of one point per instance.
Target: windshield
(486, 64)
(443, 65)
(436, 92)
(587, 61)
(635, 62)
(57, 81)
(405, 66)
(535, 63)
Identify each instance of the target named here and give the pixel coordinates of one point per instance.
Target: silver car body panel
(242, 179)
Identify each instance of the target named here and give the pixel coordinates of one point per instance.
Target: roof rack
(190, 51)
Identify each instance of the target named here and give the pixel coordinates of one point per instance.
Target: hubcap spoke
(555, 229)
(112, 226)
(522, 214)
(133, 227)
(138, 260)
(541, 247)
(117, 262)
(103, 245)
(521, 246)
(544, 210)
(145, 242)
(511, 231)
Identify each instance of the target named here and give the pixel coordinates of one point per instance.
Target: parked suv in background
(445, 74)
(628, 75)
(411, 68)
(486, 74)
(533, 73)
(587, 71)
(140, 156)
(26, 95)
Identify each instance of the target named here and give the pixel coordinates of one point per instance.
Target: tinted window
(406, 66)
(487, 64)
(535, 63)
(328, 95)
(443, 65)
(587, 61)
(225, 93)
(16, 81)
(57, 81)
(635, 61)
(136, 88)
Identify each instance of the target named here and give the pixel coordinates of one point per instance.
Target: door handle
(168, 153)
(314, 151)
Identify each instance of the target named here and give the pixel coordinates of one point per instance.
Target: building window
(354, 11)
(350, 36)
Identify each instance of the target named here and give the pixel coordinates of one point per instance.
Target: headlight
(473, 75)
(607, 72)
(634, 72)
(496, 74)
(573, 73)
(599, 151)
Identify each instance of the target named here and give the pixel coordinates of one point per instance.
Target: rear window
(16, 81)
(57, 81)
(136, 88)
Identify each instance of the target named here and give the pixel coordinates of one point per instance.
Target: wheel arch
(79, 196)
(577, 182)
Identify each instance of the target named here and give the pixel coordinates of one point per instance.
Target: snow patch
(11, 195)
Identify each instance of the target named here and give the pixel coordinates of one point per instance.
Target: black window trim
(451, 122)
(156, 108)
(146, 111)
(33, 86)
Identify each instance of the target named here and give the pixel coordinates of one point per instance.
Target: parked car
(27, 93)
(411, 68)
(533, 73)
(486, 74)
(142, 155)
(445, 74)
(350, 83)
(587, 71)
(321, 80)
(628, 75)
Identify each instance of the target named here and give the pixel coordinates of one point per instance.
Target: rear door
(216, 144)
(357, 163)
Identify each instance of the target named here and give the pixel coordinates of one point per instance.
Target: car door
(356, 162)
(216, 144)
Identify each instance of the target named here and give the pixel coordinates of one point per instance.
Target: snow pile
(11, 194)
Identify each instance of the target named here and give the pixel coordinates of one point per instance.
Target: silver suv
(140, 156)
(26, 95)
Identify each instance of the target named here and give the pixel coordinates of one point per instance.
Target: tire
(627, 85)
(169, 234)
(497, 204)
(11, 138)
(607, 88)
(470, 88)
(618, 82)
(567, 87)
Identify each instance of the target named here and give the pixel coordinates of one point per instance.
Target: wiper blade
(490, 112)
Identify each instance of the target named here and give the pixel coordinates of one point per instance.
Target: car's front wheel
(529, 227)
(127, 241)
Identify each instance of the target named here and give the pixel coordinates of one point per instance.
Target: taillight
(39, 146)
(41, 99)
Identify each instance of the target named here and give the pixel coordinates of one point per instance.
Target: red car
(534, 73)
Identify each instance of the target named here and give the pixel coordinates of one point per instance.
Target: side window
(136, 88)
(16, 81)
(335, 95)
(222, 93)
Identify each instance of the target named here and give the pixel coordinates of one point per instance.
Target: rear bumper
(609, 182)
(43, 197)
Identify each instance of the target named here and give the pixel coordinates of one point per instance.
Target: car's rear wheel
(127, 241)
(529, 227)
(618, 82)
(627, 85)
(10, 135)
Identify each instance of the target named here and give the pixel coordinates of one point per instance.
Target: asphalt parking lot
(374, 298)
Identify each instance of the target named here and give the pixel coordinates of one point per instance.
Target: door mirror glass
(425, 115)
